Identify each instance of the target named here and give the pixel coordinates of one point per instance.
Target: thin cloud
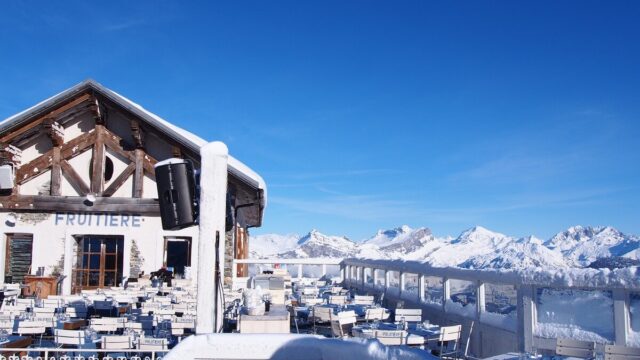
(123, 25)
(320, 174)
(377, 208)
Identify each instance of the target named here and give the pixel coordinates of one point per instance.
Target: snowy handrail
(407, 281)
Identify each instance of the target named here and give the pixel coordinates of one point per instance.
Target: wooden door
(99, 262)
(17, 262)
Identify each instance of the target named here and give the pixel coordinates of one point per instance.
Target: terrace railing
(322, 265)
(511, 310)
(530, 308)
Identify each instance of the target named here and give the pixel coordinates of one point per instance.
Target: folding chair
(575, 348)
(390, 337)
(293, 314)
(28, 327)
(116, 342)
(337, 299)
(408, 315)
(322, 315)
(105, 324)
(342, 323)
(448, 342)
(373, 314)
(363, 300)
(617, 352)
(152, 344)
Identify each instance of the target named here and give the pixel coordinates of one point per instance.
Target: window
(18, 257)
(99, 262)
(177, 254)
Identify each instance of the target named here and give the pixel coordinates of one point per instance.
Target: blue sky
(520, 116)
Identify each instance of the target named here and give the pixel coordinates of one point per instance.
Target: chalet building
(83, 199)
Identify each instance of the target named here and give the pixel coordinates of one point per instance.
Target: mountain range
(475, 248)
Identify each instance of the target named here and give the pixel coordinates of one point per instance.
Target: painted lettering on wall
(104, 220)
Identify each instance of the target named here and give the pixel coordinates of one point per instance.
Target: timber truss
(56, 160)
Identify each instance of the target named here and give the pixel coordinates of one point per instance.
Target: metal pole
(213, 195)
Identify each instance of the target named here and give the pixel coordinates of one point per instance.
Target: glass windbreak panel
(354, 272)
(411, 283)
(368, 275)
(394, 279)
(380, 277)
(634, 310)
(570, 311)
(433, 290)
(463, 297)
(500, 307)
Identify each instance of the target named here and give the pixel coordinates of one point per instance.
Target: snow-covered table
(388, 331)
(276, 321)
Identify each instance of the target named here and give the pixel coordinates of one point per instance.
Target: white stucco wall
(52, 231)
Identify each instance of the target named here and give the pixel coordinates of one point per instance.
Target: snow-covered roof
(185, 138)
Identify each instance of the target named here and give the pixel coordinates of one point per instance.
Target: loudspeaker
(176, 193)
(6, 177)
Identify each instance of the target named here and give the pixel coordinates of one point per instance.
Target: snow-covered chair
(337, 299)
(363, 300)
(617, 352)
(342, 324)
(373, 314)
(408, 315)
(575, 348)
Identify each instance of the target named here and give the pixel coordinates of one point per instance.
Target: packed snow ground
(475, 248)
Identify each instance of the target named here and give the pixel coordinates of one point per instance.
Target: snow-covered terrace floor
(510, 310)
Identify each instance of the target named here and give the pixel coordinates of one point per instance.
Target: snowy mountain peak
(480, 234)
(477, 247)
(582, 245)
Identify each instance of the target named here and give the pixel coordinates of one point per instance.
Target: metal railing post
(446, 293)
(621, 315)
(375, 277)
(480, 300)
(387, 275)
(526, 317)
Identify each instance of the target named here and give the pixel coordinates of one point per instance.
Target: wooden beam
(161, 135)
(56, 173)
(137, 134)
(98, 115)
(55, 131)
(113, 141)
(74, 179)
(138, 176)
(34, 168)
(44, 162)
(79, 204)
(39, 120)
(97, 162)
(119, 181)
(78, 145)
(176, 152)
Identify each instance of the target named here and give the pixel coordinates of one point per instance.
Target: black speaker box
(176, 193)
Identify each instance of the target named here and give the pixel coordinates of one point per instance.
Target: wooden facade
(84, 161)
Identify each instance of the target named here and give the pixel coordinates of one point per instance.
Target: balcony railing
(511, 310)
